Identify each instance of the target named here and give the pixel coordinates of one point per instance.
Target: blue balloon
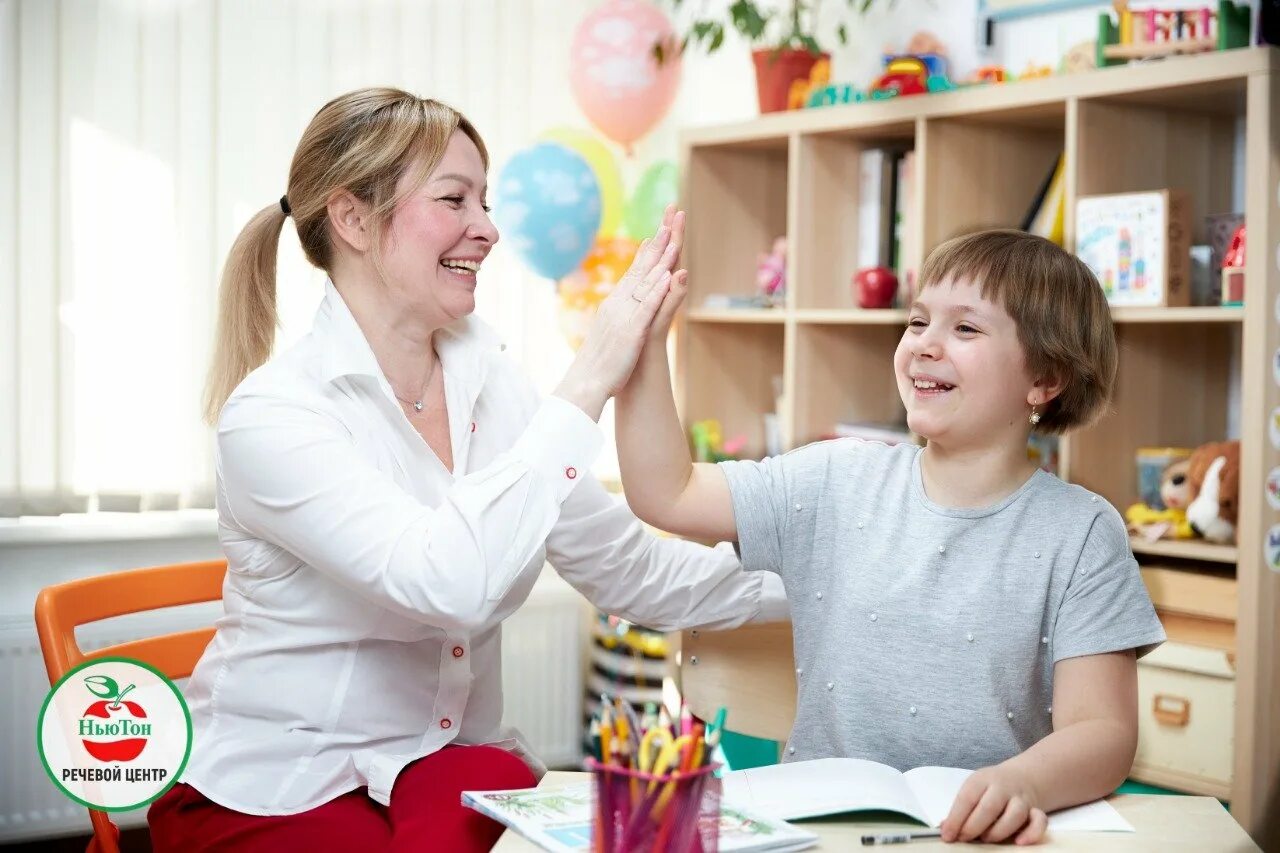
(547, 205)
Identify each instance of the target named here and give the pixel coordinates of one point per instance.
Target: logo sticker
(114, 734)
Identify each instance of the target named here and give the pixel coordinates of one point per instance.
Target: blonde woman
(388, 491)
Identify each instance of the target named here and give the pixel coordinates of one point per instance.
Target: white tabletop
(1163, 823)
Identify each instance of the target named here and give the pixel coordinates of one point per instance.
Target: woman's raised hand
(623, 322)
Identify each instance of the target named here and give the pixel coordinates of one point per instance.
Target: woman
(388, 491)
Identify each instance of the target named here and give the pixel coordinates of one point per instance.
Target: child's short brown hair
(1064, 322)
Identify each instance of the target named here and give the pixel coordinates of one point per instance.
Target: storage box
(1138, 245)
(1186, 719)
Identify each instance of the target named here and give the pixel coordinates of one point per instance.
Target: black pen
(898, 837)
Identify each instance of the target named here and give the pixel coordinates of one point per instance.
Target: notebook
(559, 820)
(826, 786)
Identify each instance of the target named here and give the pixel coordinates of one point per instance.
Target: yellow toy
(1158, 523)
(1169, 523)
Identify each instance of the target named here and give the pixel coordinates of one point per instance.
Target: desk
(1163, 823)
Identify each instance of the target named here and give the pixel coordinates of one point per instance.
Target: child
(952, 605)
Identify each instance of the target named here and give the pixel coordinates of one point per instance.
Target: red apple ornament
(875, 287)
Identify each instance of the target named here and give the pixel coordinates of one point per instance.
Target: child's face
(961, 371)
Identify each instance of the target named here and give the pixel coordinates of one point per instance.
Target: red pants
(426, 813)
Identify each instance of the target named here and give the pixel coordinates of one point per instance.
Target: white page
(936, 788)
(821, 787)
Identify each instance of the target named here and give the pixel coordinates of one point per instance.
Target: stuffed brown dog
(1215, 490)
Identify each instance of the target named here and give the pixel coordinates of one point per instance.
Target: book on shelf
(1047, 213)
(904, 221)
(875, 201)
(559, 820)
(827, 786)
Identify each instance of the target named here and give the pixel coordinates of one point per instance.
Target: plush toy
(1214, 474)
(771, 273)
(1170, 522)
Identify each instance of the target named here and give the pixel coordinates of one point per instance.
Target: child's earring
(1035, 416)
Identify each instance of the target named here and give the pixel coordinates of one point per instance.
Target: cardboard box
(1138, 245)
(1186, 719)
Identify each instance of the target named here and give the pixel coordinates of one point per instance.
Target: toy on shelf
(709, 444)
(802, 91)
(1214, 475)
(920, 68)
(1079, 58)
(989, 74)
(1233, 270)
(1164, 490)
(1151, 33)
(771, 274)
(1033, 71)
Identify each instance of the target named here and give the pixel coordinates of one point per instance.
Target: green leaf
(717, 39)
(842, 33)
(102, 685)
(810, 44)
(747, 19)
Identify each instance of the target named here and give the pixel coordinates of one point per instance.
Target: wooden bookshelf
(980, 155)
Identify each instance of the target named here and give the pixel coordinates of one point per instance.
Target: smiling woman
(389, 489)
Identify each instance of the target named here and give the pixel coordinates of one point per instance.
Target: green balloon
(657, 189)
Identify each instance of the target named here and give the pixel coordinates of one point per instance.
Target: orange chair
(60, 608)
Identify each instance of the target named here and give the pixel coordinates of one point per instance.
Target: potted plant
(787, 32)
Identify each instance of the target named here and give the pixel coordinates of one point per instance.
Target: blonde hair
(363, 142)
(1063, 319)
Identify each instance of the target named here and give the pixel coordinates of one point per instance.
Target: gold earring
(1035, 416)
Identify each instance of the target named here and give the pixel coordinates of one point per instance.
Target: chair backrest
(749, 670)
(63, 607)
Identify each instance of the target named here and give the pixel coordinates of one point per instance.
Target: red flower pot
(776, 70)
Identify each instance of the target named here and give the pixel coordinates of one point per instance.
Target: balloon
(548, 203)
(605, 167)
(656, 189)
(614, 75)
(582, 291)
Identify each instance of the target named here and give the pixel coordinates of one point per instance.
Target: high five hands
(640, 309)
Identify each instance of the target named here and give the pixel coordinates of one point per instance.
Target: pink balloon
(614, 74)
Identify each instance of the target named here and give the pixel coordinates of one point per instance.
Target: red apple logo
(111, 729)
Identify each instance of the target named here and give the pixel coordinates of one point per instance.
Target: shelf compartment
(985, 173)
(829, 241)
(1127, 145)
(728, 371)
(740, 190)
(846, 376)
(1172, 389)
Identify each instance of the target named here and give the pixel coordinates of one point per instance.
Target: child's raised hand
(995, 804)
(674, 220)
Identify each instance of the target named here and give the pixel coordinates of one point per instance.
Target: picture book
(825, 786)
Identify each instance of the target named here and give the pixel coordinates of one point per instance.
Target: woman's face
(439, 236)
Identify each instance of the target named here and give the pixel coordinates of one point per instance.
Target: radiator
(543, 646)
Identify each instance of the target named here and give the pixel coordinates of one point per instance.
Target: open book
(559, 820)
(833, 785)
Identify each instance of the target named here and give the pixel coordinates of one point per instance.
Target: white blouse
(368, 584)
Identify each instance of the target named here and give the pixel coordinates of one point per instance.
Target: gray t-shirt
(926, 635)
